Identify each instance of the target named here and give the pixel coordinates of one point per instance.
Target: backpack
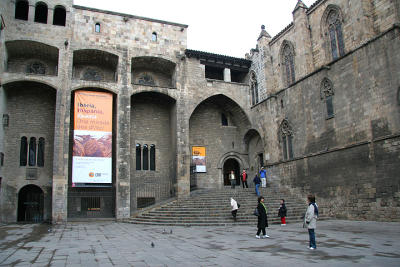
(315, 209)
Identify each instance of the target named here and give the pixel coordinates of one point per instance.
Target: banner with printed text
(199, 158)
(92, 148)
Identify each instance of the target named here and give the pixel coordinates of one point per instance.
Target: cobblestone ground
(340, 243)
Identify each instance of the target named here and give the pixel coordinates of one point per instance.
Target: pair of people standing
(243, 178)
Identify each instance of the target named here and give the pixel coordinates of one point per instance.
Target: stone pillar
(50, 16)
(31, 13)
(183, 151)
(123, 197)
(227, 75)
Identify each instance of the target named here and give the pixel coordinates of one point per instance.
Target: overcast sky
(227, 27)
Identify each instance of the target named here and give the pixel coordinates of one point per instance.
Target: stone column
(183, 151)
(227, 75)
(31, 13)
(50, 16)
(123, 154)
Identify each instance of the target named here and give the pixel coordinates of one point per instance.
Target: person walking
(257, 182)
(235, 208)
(232, 178)
(243, 177)
(263, 177)
(282, 212)
(262, 218)
(311, 220)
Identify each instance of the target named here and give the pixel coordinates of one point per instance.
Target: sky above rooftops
(226, 27)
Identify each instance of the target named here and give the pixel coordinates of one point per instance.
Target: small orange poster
(92, 148)
(199, 158)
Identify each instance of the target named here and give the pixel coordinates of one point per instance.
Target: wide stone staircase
(206, 207)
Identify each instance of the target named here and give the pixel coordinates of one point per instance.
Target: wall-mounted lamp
(6, 119)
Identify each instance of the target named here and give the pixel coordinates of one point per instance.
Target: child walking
(282, 212)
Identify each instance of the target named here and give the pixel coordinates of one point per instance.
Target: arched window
(138, 157)
(154, 37)
(36, 68)
(224, 120)
(41, 12)
(286, 134)
(288, 64)
(334, 24)
(22, 10)
(97, 27)
(253, 88)
(40, 156)
(23, 152)
(326, 93)
(152, 157)
(32, 152)
(145, 157)
(59, 16)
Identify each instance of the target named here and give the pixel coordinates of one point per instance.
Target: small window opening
(23, 151)
(138, 157)
(152, 158)
(224, 120)
(1, 159)
(281, 103)
(32, 152)
(238, 76)
(145, 157)
(214, 73)
(40, 157)
(22, 10)
(97, 27)
(41, 13)
(154, 37)
(59, 16)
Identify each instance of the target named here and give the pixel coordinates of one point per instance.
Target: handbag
(238, 205)
(255, 213)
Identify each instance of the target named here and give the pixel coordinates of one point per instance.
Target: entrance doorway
(30, 204)
(229, 165)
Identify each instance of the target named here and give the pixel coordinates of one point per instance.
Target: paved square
(340, 243)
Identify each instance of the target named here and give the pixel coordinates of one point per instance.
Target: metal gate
(91, 202)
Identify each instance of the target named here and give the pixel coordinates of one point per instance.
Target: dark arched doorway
(30, 204)
(229, 165)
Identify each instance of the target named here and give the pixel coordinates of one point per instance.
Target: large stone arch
(254, 147)
(30, 107)
(153, 125)
(218, 123)
(99, 200)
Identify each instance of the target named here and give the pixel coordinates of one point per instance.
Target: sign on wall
(92, 148)
(199, 158)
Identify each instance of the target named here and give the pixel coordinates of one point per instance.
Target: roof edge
(129, 16)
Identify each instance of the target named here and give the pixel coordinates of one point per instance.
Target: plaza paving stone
(107, 243)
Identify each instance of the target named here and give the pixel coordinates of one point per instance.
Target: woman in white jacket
(311, 220)
(235, 207)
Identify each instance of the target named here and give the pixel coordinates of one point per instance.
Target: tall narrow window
(286, 135)
(41, 12)
(152, 158)
(145, 157)
(23, 152)
(59, 16)
(326, 93)
(253, 88)
(40, 156)
(22, 10)
(288, 64)
(138, 157)
(97, 27)
(32, 152)
(154, 37)
(1, 158)
(224, 120)
(335, 34)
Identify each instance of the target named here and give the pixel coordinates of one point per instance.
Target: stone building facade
(323, 115)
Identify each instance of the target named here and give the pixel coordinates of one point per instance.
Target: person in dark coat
(282, 212)
(262, 218)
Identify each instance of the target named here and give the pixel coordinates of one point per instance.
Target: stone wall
(342, 159)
